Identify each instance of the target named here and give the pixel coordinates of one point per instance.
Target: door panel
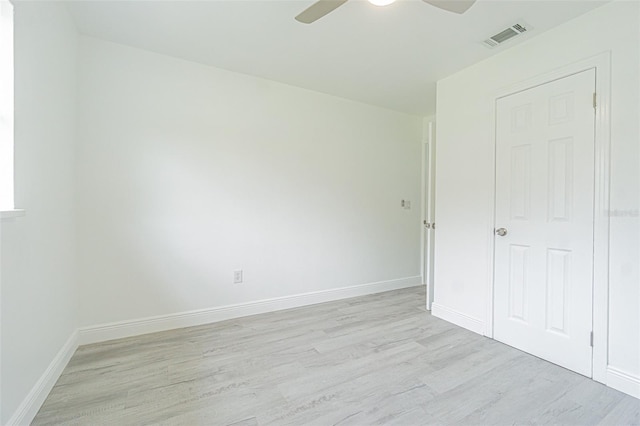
(558, 279)
(518, 274)
(544, 199)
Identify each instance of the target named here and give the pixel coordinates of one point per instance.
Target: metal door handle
(501, 232)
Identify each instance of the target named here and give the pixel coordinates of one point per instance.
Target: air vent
(505, 35)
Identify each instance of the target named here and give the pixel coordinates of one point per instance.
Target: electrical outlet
(407, 205)
(237, 276)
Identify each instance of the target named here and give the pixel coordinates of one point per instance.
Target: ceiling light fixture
(323, 7)
(381, 2)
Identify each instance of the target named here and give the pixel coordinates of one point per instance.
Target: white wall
(465, 173)
(37, 288)
(188, 172)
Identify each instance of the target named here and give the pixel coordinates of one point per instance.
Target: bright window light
(6, 106)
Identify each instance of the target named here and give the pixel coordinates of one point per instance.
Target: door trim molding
(428, 188)
(426, 148)
(602, 136)
(423, 214)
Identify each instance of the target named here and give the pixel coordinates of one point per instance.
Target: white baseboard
(623, 381)
(118, 330)
(457, 318)
(27, 411)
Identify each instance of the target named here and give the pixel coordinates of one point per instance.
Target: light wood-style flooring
(379, 359)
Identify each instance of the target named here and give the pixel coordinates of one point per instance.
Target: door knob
(501, 232)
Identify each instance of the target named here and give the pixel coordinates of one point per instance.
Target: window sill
(9, 214)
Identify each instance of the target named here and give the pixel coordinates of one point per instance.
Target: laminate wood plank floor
(379, 359)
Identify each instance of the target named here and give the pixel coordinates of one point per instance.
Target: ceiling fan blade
(455, 6)
(318, 10)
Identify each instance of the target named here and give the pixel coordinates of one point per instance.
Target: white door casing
(543, 277)
(428, 221)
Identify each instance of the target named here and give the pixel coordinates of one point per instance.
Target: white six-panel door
(544, 201)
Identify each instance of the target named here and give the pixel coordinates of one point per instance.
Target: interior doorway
(428, 210)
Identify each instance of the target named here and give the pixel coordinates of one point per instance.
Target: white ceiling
(386, 56)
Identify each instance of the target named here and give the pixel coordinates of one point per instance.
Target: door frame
(428, 200)
(602, 137)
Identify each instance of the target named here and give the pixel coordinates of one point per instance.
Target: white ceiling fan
(323, 7)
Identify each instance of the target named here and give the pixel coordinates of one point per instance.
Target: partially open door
(428, 221)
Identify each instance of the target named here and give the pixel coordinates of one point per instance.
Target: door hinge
(591, 339)
(595, 103)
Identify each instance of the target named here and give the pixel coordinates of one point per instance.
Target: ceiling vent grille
(505, 35)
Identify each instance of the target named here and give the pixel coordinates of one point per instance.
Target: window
(6, 106)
